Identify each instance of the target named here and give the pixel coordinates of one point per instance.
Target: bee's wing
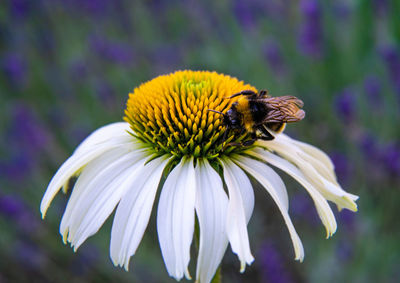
(285, 109)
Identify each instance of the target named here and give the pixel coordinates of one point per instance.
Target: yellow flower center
(170, 113)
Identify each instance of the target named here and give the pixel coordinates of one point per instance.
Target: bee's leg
(249, 142)
(263, 93)
(225, 134)
(267, 136)
(244, 92)
(242, 131)
(245, 143)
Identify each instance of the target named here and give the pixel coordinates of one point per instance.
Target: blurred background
(66, 68)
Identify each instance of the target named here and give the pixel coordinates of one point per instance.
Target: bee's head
(233, 119)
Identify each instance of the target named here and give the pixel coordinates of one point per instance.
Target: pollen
(170, 113)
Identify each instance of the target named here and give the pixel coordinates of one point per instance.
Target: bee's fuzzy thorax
(242, 107)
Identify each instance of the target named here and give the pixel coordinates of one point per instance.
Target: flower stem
(218, 276)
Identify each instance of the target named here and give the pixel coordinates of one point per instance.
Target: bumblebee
(259, 113)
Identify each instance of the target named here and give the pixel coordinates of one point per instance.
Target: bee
(259, 113)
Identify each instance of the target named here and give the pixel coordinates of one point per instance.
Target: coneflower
(170, 140)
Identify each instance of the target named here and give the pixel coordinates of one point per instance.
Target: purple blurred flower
(105, 93)
(272, 265)
(17, 167)
(248, 12)
(14, 68)
(345, 105)
(347, 218)
(14, 208)
(301, 206)
(29, 255)
(116, 52)
(370, 148)
(10, 206)
(391, 57)
(384, 157)
(26, 138)
(244, 13)
(20, 8)
(160, 6)
(273, 54)
(79, 132)
(26, 129)
(391, 158)
(342, 166)
(342, 10)
(344, 251)
(372, 88)
(380, 7)
(87, 257)
(166, 58)
(78, 70)
(92, 7)
(311, 34)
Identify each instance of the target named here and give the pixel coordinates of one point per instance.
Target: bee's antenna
(215, 111)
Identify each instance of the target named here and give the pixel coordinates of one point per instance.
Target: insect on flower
(171, 142)
(259, 113)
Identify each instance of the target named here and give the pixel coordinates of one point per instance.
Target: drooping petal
(311, 150)
(175, 218)
(328, 187)
(240, 208)
(133, 212)
(211, 209)
(92, 170)
(100, 196)
(276, 188)
(67, 170)
(324, 211)
(319, 166)
(77, 161)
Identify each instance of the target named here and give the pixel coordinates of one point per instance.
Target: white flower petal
(211, 209)
(273, 179)
(346, 200)
(319, 166)
(321, 162)
(99, 198)
(276, 188)
(240, 208)
(133, 212)
(323, 208)
(175, 218)
(311, 150)
(112, 131)
(70, 167)
(309, 167)
(90, 172)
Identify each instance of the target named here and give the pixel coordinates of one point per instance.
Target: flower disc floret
(170, 113)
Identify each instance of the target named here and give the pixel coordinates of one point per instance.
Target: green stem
(218, 276)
